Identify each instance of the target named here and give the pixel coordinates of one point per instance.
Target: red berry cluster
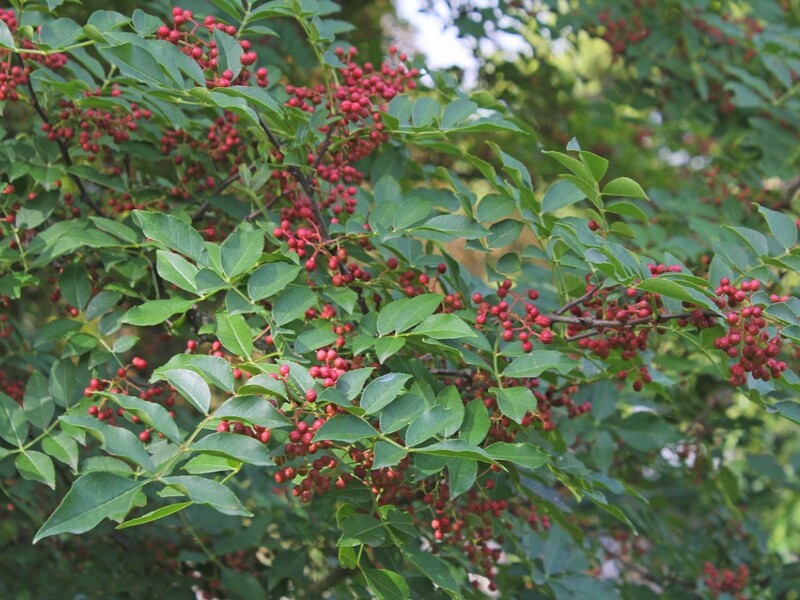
(6, 328)
(122, 384)
(620, 33)
(222, 144)
(92, 124)
(184, 34)
(726, 582)
(354, 105)
(722, 185)
(14, 388)
(747, 337)
(13, 76)
(515, 324)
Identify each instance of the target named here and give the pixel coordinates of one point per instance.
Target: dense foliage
(282, 320)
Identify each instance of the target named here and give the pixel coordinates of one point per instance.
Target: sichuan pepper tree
(243, 351)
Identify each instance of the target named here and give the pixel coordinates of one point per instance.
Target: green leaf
(345, 428)
(75, 285)
(462, 473)
(191, 386)
(173, 233)
(362, 529)
(101, 304)
(241, 251)
(241, 585)
(666, 287)
(401, 315)
(107, 20)
(352, 382)
(123, 232)
(206, 491)
(255, 410)
(387, 455)
(138, 63)
(387, 347)
(292, 304)
(382, 391)
(628, 209)
(537, 362)
(60, 33)
(270, 279)
(457, 112)
(556, 551)
(401, 412)
(124, 343)
(445, 326)
(92, 498)
(514, 402)
(214, 369)
(13, 424)
(62, 447)
(256, 97)
(115, 440)
(583, 172)
(428, 424)
(452, 227)
(494, 207)
(155, 312)
(597, 164)
(36, 466)
(456, 449)
(314, 339)
(781, 225)
(38, 404)
(646, 432)
(6, 37)
(230, 52)
(264, 383)
(424, 112)
(624, 186)
(560, 195)
(787, 409)
(176, 269)
(434, 568)
(476, 422)
(154, 415)
(155, 515)
(524, 455)
(386, 585)
(241, 447)
(234, 333)
(232, 8)
(202, 464)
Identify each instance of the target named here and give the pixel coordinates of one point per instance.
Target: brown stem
(306, 182)
(654, 319)
(577, 301)
(452, 372)
(596, 324)
(62, 146)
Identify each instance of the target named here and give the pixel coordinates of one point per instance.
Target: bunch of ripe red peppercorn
(747, 337)
(185, 34)
(14, 76)
(726, 582)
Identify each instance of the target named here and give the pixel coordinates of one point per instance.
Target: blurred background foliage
(697, 99)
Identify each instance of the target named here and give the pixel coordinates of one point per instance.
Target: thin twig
(306, 182)
(577, 301)
(452, 372)
(62, 146)
(603, 323)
